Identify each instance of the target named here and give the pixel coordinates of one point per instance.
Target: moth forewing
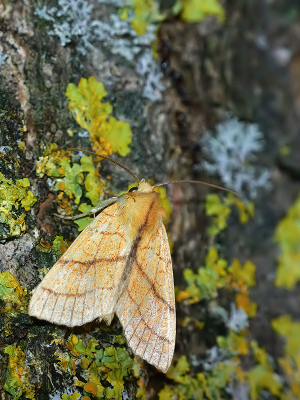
(120, 264)
(82, 285)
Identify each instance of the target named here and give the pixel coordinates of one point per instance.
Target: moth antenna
(202, 183)
(109, 159)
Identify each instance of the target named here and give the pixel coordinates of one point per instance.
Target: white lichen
(238, 319)
(147, 67)
(231, 154)
(72, 21)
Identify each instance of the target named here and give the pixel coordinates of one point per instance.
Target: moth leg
(93, 211)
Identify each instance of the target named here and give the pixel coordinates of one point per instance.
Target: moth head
(144, 187)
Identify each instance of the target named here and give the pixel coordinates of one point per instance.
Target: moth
(120, 264)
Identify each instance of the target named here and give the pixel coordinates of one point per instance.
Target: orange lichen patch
(52, 156)
(19, 380)
(242, 301)
(70, 347)
(45, 244)
(64, 204)
(90, 388)
(120, 264)
(73, 364)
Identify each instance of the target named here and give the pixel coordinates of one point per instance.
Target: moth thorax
(145, 187)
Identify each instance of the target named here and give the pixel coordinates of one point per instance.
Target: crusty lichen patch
(12, 294)
(287, 236)
(72, 179)
(19, 380)
(14, 197)
(220, 209)
(103, 370)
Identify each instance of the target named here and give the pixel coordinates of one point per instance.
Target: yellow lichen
(19, 380)
(290, 362)
(137, 370)
(14, 196)
(165, 202)
(107, 133)
(51, 158)
(217, 274)
(209, 385)
(196, 11)
(146, 12)
(12, 294)
(287, 235)
(71, 178)
(220, 211)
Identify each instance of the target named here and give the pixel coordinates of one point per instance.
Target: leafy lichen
(290, 363)
(196, 11)
(220, 211)
(19, 380)
(14, 196)
(287, 235)
(218, 274)
(12, 294)
(145, 12)
(71, 178)
(203, 386)
(107, 133)
(103, 369)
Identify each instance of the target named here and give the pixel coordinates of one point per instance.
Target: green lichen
(287, 235)
(216, 275)
(165, 202)
(73, 396)
(48, 163)
(107, 133)
(203, 386)
(12, 294)
(58, 247)
(19, 380)
(262, 375)
(13, 300)
(290, 362)
(103, 369)
(14, 197)
(72, 179)
(85, 221)
(197, 11)
(138, 372)
(220, 210)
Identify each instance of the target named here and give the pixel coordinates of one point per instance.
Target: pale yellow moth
(120, 264)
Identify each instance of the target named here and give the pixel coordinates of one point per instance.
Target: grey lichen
(73, 21)
(231, 154)
(3, 58)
